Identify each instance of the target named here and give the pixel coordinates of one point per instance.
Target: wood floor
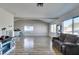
(34, 46)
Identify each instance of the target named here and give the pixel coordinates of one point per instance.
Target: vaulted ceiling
(29, 11)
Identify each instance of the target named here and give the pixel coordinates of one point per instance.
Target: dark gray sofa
(67, 44)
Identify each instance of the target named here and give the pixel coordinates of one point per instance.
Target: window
(76, 26)
(28, 28)
(53, 28)
(59, 29)
(67, 26)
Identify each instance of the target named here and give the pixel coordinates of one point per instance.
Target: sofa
(67, 44)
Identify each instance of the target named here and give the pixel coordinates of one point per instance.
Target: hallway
(33, 46)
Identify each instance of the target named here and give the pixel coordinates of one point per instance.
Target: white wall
(6, 20)
(40, 28)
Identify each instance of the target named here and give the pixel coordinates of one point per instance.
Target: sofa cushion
(77, 40)
(71, 38)
(62, 37)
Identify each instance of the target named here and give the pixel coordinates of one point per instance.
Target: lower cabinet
(7, 47)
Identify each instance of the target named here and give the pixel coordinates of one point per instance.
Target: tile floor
(33, 46)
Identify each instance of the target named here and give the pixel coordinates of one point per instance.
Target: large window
(67, 26)
(76, 26)
(53, 28)
(28, 28)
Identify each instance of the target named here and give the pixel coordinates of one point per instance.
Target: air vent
(40, 4)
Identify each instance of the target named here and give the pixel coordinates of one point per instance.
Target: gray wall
(40, 28)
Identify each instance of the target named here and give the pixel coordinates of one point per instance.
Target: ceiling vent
(40, 4)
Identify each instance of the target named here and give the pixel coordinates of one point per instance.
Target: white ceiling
(31, 11)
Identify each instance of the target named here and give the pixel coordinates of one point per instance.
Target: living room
(39, 28)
